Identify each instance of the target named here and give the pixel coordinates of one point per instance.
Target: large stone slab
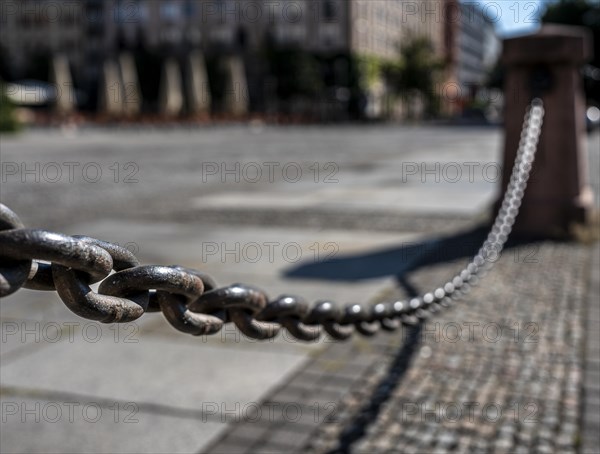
(153, 371)
(81, 425)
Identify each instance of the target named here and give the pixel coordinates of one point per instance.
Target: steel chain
(192, 302)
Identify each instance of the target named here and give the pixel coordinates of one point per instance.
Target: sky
(513, 17)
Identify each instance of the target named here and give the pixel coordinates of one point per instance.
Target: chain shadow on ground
(399, 261)
(367, 414)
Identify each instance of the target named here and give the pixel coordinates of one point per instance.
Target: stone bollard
(171, 90)
(547, 65)
(111, 90)
(60, 76)
(199, 98)
(236, 89)
(132, 99)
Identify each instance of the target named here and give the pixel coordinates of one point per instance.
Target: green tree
(416, 72)
(8, 119)
(297, 72)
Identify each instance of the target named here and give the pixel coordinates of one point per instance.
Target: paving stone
(203, 380)
(229, 447)
(248, 432)
(591, 436)
(289, 394)
(265, 448)
(340, 384)
(305, 379)
(593, 365)
(292, 439)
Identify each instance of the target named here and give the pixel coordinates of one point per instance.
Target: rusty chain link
(192, 302)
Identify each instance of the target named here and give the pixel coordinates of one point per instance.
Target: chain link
(192, 302)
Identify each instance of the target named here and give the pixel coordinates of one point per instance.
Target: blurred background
(305, 60)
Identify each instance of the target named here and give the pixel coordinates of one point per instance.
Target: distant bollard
(111, 90)
(547, 65)
(171, 89)
(60, 76)
(132, 99)
(198, 89)
(236, 100)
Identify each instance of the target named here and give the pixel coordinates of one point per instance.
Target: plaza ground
(265, 206)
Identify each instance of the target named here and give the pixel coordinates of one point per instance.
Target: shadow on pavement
(407, 257)
(356, 428)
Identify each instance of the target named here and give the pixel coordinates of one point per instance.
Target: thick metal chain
(192, 302)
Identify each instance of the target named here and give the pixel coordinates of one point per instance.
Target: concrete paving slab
(260, 249)
(259, 256)
(154, 371)
(361, 159)
(413, 199)
(36, 306)
(39, 425)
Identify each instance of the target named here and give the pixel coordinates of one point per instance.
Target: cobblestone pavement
(590, 424)
(501, 372)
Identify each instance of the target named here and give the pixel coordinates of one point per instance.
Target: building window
(190, 8)
(171, 11)
(329, 11)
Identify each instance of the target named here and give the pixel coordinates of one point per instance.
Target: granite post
(171, 89)
(236, 91)
(60, 76)
(199, 98)
(111, 90)
(547, 65)
(132, 100)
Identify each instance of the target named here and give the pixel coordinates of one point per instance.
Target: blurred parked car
(31, 93)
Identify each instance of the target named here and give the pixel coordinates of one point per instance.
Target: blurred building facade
(477, 47)
(89, 32)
